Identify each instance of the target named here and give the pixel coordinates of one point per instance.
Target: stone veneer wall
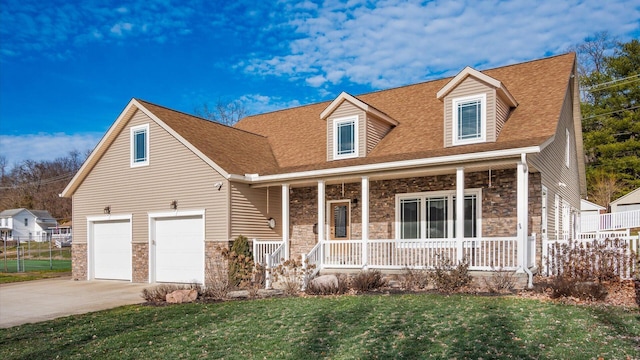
(140, 262)
(216, 267)
(79, 261)
(303, 214)
(499, 215)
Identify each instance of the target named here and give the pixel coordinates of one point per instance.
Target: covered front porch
(411, 219)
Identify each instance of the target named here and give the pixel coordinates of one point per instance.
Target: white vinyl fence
(617, 252)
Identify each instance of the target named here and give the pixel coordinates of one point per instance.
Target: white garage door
(112, 249)
(179, 250)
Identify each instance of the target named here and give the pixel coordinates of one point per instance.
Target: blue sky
(67, 68)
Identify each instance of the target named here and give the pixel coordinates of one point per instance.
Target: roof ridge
(409, 85)
(198, 117)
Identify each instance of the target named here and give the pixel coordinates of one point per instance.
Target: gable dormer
(476, 106)
(354, 127)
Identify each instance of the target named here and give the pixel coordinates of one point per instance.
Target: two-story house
(367, 181)
(24, 225)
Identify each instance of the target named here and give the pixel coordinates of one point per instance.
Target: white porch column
(285, 219)
(522, 213)
(321, 211)
(459, 211)
(365, 220)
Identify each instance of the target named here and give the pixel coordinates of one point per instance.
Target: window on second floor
(345, 137)
(469, 119)
(26, 222)
(140, 145)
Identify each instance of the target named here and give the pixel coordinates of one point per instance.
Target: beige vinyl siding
(551, 163)
(173, 173)
(502, 113)
(344, 110)
(376, 130)
(250, 211)
(469, 87)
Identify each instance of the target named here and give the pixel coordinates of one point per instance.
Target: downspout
(523, 157)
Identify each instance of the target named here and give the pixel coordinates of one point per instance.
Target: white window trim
(356, 140)
(567, 149)
(483, 119)
(133, 130)
(449, 194)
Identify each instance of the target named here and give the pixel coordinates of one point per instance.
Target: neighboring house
(23, 224)
(629, 202)
(367, 181)
(590, 216)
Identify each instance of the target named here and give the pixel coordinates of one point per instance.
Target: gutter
(395, 165)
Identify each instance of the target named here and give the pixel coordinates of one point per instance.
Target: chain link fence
(34, 255)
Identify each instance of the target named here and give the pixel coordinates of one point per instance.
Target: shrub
(159, 293)
(240, 261)
(314, 288)
(598, 260)
(562, 286)
(500, 281)
(217, 283)
(367, 280)
(447, 277)
(292, 274)
(415, 279)
(581, 268)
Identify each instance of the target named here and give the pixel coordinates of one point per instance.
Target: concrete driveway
(40, 300)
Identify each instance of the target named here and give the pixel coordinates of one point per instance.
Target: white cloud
(258, 104)
(120, 28)
(399, 42)
(45, 146)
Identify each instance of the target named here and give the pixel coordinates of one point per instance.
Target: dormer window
(345, 137)
(469, 119)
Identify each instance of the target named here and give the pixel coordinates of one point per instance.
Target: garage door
(179, 250)
(112, 249)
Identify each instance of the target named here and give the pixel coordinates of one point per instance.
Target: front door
(339, 228)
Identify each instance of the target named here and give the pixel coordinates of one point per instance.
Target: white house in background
(23, 224)
(588, 208)
(629, 202)
(590, 216)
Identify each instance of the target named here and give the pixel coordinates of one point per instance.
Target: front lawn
(345, 327)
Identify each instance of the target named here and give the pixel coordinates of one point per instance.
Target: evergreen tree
(611, 122)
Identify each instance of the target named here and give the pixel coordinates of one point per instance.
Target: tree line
(610, 92)
(35, 185)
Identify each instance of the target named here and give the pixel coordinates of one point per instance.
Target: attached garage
(110, 247)
(177, 254)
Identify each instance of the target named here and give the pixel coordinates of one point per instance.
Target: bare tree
(604, 187)
(593, 52)
(36, 185)
(223, 112)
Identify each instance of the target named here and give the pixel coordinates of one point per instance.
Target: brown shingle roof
(298, 137)
(235, 150)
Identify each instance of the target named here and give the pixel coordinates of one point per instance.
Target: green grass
(35, 265)
(348, 327)
(35, 269)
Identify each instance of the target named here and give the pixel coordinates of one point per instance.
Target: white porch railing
(269, 254)
(481, 253)
(551, 251)
(611, 221)
(261, 248)
(604, 235)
